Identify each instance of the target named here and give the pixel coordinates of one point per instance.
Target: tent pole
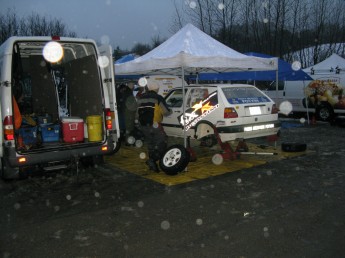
(183, 109)
(277, 77)
(306, 102)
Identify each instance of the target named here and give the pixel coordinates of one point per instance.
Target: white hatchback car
(236, 111)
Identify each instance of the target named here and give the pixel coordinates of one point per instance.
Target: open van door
(109, 81)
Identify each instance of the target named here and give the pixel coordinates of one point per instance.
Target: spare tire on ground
(175, 159)
(293, 147)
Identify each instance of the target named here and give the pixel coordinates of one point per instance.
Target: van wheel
(293, 147)
(117, 147)
(324, 112)
(92, 161)
(175, 159)
(1, 170)
(7, 172)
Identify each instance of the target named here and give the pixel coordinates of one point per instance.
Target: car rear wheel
(324, 112)
(175, 159)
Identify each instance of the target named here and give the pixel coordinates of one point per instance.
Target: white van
(166, 82)
(323, 95)
(57, 99)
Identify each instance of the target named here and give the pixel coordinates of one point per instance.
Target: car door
(171, 124)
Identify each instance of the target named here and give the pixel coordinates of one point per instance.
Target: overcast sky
(125, 22)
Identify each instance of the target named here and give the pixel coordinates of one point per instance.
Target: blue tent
(285, 73)
(125, 58)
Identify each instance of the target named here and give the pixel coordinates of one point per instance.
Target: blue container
(44, 119)
(28, 134)
(50, 132)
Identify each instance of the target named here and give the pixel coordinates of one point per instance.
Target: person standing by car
(127, 110)
(151, 109)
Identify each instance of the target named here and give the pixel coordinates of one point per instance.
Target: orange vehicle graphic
(320, 91)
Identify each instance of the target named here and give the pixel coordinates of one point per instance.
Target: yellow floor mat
(133, 159)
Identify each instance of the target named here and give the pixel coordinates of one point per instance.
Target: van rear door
(109, 81)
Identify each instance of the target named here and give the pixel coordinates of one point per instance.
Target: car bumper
(230, 133)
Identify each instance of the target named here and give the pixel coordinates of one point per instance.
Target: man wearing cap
(151, 109)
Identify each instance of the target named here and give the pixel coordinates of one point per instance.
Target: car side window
(195, 96)
(175, 98)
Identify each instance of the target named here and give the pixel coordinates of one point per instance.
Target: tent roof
(285, 73)
(195, 51)
(328, 64)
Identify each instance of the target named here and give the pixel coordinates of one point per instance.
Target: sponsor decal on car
(248, 100)
(198, 111)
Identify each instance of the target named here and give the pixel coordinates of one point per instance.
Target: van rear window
(244, 95)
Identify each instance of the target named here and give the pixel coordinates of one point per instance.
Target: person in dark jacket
(151, 109)
(127, 106)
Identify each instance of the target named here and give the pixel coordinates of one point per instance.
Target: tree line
(289, 29)
(37, 25)
(31, 25)
(305, 30)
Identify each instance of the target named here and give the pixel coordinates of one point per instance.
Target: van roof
(6, 47)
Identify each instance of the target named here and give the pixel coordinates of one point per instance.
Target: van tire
(324, 112)
(117, 147)
(92, 161)
(293, 147)
(7, 172)
(1, 169)
(175, 159)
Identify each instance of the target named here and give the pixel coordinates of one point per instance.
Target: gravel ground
(286, 208)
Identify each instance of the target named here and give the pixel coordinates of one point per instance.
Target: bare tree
(32, 25)
(178, 21)
(141, 49)
(156, 41)
(276, 27)
(8, 25)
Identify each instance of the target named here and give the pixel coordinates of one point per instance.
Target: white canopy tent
(333, 64)
(192, 51)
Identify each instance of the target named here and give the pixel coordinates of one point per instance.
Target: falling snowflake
(165, 225)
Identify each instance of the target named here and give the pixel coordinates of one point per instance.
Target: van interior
(49, 93)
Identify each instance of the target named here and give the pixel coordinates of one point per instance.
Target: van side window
(269, 85)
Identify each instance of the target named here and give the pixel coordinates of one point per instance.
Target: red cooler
(72, 129)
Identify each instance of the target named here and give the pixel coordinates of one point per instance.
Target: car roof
(217, 85)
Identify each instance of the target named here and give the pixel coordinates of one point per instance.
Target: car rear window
(244, 95)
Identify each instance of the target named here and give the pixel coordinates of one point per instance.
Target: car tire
(324, 112)
(175, 159)
(293, 147)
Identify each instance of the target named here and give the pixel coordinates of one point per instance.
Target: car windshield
(243, 95)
